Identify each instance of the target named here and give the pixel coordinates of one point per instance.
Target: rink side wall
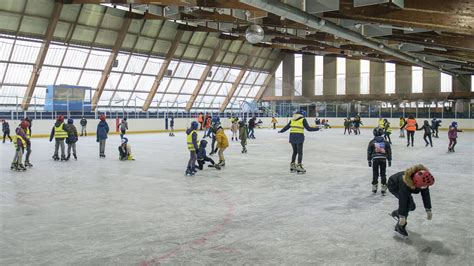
(42, 128)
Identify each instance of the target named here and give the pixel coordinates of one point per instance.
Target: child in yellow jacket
(222, 144)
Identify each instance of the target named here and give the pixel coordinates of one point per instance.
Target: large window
(341, 76)
(416, 79)
(279, 80)
(318, 75)
(389, 78)
(298, 74)
(364, 76)
(446, 83)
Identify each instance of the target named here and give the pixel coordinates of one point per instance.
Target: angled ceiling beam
(317, 23)
(161, 73)
(204, 75)
(237, 81)
(113, 56)
(269, 78)
(42, 55)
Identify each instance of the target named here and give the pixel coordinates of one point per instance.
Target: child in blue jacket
(102, 133)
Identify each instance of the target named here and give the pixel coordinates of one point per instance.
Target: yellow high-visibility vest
(59, 132)
(297, 126)
(189, 140)
(28, 133)
(23, 141)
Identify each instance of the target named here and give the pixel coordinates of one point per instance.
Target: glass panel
(389, 78)
(163, 84)
(6, 46)
(128, 82)
(153, 66)
(189, 86)
(446, 83)
(112, 81)
(183, 70)
(68, 76)
(97, 59)
(12, 94)
(18, 74)
(145, 83)
(55, 55)
(75, 57)
(417, 79)
(225, 89)
(175, 85)
(261, 79)
(25, 51)
(90, 78)
(135, 64)
(279, 80)
(298, 74)
(197, 71)
(47, 76)
(364, 76)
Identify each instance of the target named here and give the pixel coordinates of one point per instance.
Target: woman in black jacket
(402, 185)
(428, 129)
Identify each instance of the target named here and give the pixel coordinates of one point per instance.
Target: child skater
(243, 134)
(347, 127)
(297, 125)
(171, 127)
(435, 124)
(191, 140)
(402, 185)
(71, 139)
(235, 128)
(20, 141)
(357, 123)
(6, 130)
(378, 153)
(222, 144)
(125, 150)
(59, 135)
(102, 135)
(453, 135)
(428, 130)
(402, 127)
(387, 131)
(202, 157)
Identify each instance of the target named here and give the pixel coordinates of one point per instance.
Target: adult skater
(410, 125)
(20, 141)
(297, 125)
(6, 130)
(402, 185)
(102, 134)
(59, 135)
(378, 153)
(28, 143)
(435, 124)
(428, 130)
(252, 125)
(191, 140)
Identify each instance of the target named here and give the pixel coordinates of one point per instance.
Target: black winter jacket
(379, 148)
(402, 185)
(428, 129)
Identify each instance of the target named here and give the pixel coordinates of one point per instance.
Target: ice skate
(408, 144)
(401, 231)
(63, 158)
(189, 172)
(374, 188)
(75, 156)
(221, 163)
(383, 189)
(300, 169)
(293, 168)
(13, 167)
(21, 167)
(394, 215)
(218, 167)
(28, 164)
(55, 157)
(68, 157)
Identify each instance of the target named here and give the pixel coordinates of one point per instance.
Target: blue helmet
(194, 125)
(454, 124)
(70, 121)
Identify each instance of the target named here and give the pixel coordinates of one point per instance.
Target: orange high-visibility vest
(411, 125)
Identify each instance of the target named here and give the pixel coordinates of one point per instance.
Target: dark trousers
(411, 206)
(192, 160)
(452, 143)
(274, 125)
(201, 162)
(6, 134)
(251, 133)
(410, 134)
(122, 132)
(387, 137)
(348, 129)
(122, 153)
(428, 135)
(435, 133)
(28, 152)
(297, 150)
(378, 169)
(213, 144)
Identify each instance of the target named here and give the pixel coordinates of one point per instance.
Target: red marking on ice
(202, 240)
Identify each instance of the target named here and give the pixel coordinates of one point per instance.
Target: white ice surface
(107, 212)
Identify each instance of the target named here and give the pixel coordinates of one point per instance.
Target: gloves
(429, 215)
(402, 220)
(389, 163)
(370, 163)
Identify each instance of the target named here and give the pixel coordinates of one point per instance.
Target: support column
(377, 78)
(402, 80)
(308, 76)
(288, 75)
(352, 77)
(330, 75)
(53, 21)
(161, 73)
(113, 56)
(431, 81)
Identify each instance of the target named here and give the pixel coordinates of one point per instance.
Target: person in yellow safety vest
(191, 140)
(410, 125)
(297, 125)
(274, 122)
(28, 146)
(381, 123)
(388, 131)
(20, 141)
(59, 134)
(402, 130)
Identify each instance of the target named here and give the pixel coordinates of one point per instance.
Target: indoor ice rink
(294, 109)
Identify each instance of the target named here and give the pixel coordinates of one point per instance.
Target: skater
(379, 152)
(102, 134)
(435, 124)
(83, 123)
(252, 126)
(202, 157)
(20, 141)
(410, 125)
(213, 131)
(402, 185)
(208, 130)
(191, 139)
(428, 130)
(243, 134)
(172, 126)
(123, 127)
(402, 127)
(6, 130)
(28, 143)
(274, 122)
(59, 135)
(200, 120)
(125, 150)
(347, 127)
(222, 145)
(387, 131)
(453, 135)
(297, 126)
(357, 123)
(381, 122)
(72, 138)
(235, 129)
